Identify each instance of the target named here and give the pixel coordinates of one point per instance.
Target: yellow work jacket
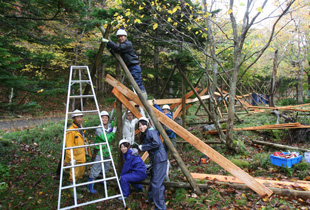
(74, 138)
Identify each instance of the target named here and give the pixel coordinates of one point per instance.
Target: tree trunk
(273, 79)
(183, 103)
(280, 146)
(119, 133)
(156, 69)
(300, 75)
(308, 85)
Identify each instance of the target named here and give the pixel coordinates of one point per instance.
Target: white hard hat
(144, 118)
(77, 113)
(104, 113)
(121, 32)
(166, 106)
(123, 141)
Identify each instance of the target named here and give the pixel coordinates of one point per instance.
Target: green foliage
(287, 171)
(287, 102)
(261, 160)
(31, 107)
(240, 163)
(180, 194)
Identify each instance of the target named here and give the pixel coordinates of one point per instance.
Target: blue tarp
(258, 99)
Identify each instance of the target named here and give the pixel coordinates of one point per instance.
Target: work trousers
(131, 178)
(136, 73)
(78, 172)
(156, 191)
(97, 167)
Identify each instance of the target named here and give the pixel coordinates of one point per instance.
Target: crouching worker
(110, 131)
(134, 169)
(158, 156)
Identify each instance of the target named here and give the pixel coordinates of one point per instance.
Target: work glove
(154, 101)
(114, 129)
(140, 147)
(104, 40)
(74, 162)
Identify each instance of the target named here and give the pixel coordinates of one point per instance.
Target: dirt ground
(26, 123)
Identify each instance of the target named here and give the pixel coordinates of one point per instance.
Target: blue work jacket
(133, 163)
(154, 146)
(169, 132)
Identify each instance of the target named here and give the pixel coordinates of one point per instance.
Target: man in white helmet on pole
(125, 49)
(110, 131)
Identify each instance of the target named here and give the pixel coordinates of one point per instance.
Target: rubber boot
(91, 187)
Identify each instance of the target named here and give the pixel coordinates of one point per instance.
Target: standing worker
(134, 169)
(166, 110)
(110, 131)
(129, 125)
(125, 49)
(73, 139)
(158, 156)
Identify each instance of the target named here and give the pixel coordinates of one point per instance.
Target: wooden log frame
(140, 98)
(178, 112)
(271, 183)
(205, 149)
(266, 127)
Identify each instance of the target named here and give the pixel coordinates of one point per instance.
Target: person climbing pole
(125, 49)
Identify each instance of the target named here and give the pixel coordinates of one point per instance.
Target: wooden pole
(159, 127)
(105, 34)
(277, 191)
(273, 79)
(280, 146)
(222, 135)
(183, 104)
(119, 124)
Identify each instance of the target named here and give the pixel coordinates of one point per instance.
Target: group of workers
(134, 169)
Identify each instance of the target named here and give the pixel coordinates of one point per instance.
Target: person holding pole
(158, 156)
(125, 49)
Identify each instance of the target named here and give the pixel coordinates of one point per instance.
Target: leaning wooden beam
(280, 108)
(280, 146)
(205, 149)
(157, 124)
(271, 183)
(266, 127)
(175, 114)
(277, 191)
(176, 100)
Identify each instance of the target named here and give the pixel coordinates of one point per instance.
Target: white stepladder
(83, 78)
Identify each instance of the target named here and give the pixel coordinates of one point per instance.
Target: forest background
(208, 40)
